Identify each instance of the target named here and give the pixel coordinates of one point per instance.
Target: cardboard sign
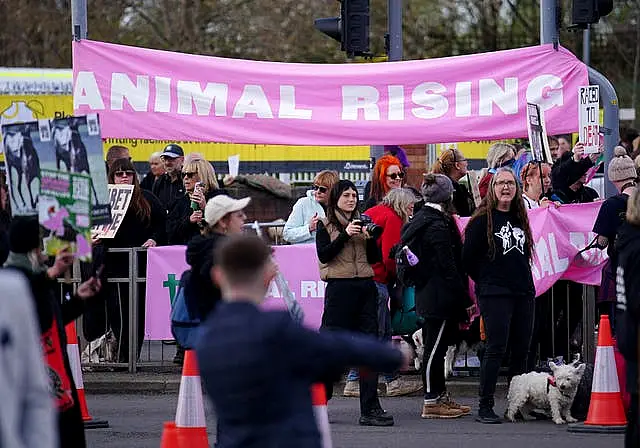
(119, 198)
(540, 151)
(589, 131)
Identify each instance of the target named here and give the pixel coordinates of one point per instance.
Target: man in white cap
(169, 186)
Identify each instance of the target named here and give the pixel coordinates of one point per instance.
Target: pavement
(136, 421)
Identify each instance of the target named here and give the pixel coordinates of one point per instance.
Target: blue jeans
(384, 329)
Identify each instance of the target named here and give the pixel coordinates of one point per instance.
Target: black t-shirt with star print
(509, 271)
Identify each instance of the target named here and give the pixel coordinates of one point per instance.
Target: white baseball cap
(221, 205)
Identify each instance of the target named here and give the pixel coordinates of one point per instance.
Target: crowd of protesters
(182, 201)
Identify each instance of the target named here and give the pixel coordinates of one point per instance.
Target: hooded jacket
(296, 230)
(628, 299)
(441, 292)
(384, 271)
(200, 292)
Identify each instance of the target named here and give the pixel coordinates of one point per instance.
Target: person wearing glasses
(142, 226)
(453, 164)
(169, 187)
(186, 214)
(387, 175)
(496, 254)
(302, 223)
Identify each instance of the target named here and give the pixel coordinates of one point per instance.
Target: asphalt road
(136, 421)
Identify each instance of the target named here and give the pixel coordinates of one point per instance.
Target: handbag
(405, 320)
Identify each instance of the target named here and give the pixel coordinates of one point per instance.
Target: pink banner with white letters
(559, 234)
(161, 95)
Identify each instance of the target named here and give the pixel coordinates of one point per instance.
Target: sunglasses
(124, 173)
(395, 176)
(319, 188)
(188, 174)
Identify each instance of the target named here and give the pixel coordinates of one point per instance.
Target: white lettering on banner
(547, 261)
(491, 93)
(427, 95)
(545, 91)
(355, 98)
(310, 289)
(559, 264)
(429, 100)
(463, 99)
(137, 94)
(396, 103)
(86, 92)
(580, 240)
(288, 105)
(163, 94)
(190, 93)
(253, 101)
(273, 291)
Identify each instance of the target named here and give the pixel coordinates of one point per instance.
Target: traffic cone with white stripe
(319, 401)
(606, 411)
(190, 422)
(73, 352)
(169, 436)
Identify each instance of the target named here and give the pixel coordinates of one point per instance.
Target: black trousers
(436, 336)
(352, 304)
(506, 320)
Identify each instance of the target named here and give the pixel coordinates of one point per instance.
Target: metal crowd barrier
(133, 363)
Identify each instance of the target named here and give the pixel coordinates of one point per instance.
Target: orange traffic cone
(190, 423)
(319, 401)
(606, 412)
(169, 436)
(73, 352)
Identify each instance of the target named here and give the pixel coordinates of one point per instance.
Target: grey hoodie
(27, 414)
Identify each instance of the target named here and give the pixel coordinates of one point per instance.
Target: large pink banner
(559, 234)
(160, 95)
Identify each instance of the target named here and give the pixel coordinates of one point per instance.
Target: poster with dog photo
(76, 147)
(22, 147)
(65, 212)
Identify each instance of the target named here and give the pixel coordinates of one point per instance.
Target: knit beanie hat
(24, 234)
(621, 167)
(437, 188)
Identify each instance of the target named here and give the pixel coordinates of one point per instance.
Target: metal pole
(611, 124)
(79, 19)
(548, 22)
(586, 46)
(395, 29)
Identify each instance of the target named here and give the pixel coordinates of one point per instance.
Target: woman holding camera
(497, 253)
(187, 213)
(346, 252)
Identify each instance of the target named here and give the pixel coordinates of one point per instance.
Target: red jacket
(385, 217)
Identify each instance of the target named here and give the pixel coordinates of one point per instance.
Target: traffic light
(351, 29)
(585, 12)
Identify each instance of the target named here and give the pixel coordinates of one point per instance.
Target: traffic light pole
(394, 12)
(608, 96)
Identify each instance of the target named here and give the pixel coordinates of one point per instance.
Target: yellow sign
(15, 108)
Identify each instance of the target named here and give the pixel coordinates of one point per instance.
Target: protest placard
(537, 130)
(65, 210)
(119, 199)
(588, 116)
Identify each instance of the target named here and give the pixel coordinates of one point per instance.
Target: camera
(373, 229)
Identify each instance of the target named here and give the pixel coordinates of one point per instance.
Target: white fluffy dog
(538, 390)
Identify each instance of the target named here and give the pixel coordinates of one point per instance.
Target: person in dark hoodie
(497, 253)
(223, 216)
(568, 177)
(442, 295)
(27, 258)
(628, 310)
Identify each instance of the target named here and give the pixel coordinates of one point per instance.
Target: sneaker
(487, 416)
(466, 410)
(351, 389)
(399, 388)
(179, 357)
(377, 417)
(440, 409)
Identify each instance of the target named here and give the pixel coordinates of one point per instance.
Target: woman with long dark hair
(142, 226)
(497, 253)
(346, 252)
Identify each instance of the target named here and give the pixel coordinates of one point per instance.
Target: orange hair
(379, 186)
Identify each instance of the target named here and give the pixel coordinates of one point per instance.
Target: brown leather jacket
(342, 256)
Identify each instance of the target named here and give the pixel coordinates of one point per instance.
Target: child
(258, 367)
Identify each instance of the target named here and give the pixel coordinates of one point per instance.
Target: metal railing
(134, 361)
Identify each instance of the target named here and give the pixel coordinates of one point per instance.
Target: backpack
(406, 274)
(184, 324)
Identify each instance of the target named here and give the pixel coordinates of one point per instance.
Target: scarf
(24, 262)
